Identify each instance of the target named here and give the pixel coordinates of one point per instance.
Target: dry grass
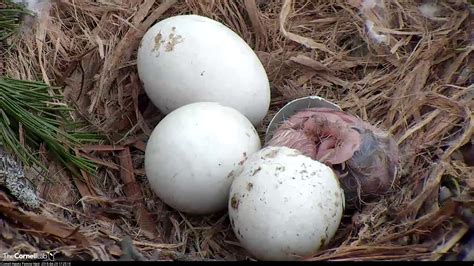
(417, 84)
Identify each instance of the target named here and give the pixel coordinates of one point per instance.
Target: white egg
(191, 155)
(284, 205)
(189, 58)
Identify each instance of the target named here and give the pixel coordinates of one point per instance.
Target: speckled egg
(284, 205)
(189, 58)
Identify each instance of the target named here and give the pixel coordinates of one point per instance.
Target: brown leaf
(142, 12)
(140, 145)
(61, 190)
(102, 162)
(85, 186)
(309, 62)
(133, 192)
(42, 224)
(102, 148)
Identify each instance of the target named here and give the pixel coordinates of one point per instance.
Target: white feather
(377, 37)
(429, 10)
(369, 4)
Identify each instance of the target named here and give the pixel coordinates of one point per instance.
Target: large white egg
(189, 58)
(284, 205)
(191, 155)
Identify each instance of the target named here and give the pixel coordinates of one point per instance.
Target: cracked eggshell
(192, 153)
(294, 107)
(189, 58)
(284, 205)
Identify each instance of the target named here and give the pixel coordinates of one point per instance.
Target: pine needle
(37, 110)
(10, 18)
(43, 118)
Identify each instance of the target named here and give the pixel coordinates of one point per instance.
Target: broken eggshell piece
(292, 108)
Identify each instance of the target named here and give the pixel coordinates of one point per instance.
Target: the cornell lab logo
(44, 256)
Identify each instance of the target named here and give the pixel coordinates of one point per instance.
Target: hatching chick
(364, 157)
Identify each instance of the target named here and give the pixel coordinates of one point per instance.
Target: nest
(405, 66)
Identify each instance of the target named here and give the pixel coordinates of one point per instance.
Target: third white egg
(192, 153)
(284, 205)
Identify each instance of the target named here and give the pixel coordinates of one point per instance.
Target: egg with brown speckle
(189, 58)
(284, 205)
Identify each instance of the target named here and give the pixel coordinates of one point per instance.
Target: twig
(133, 192)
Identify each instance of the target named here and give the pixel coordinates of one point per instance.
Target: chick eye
(359, 130)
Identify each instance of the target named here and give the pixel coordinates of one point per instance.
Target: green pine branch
(10, 18)
(36, 110)
(43, 118)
